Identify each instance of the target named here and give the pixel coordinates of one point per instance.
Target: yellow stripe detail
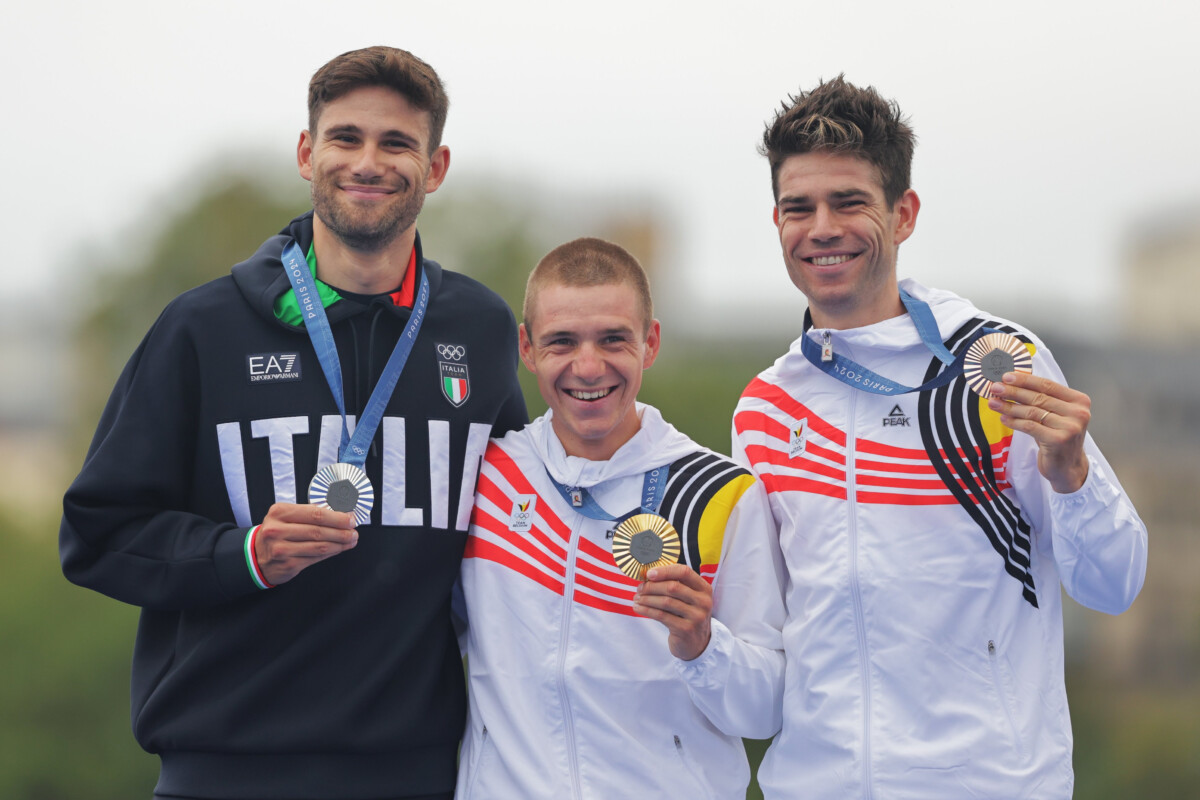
(711, 531)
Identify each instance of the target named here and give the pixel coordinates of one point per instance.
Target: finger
(311, 514)
(677, 572)
(1022, 386)
(669, 610)
(662, 594)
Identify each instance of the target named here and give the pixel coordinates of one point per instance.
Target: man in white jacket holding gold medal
(587, 681)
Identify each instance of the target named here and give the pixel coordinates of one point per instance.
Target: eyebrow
(548, 335)
(839, 194)
(337, 130)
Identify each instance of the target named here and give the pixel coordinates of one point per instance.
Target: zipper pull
(826, 346)
(576, 496)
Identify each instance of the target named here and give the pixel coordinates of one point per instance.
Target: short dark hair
(389, 67)
(839, 117)
(589, 262)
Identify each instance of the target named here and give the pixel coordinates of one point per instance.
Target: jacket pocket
(484, 750)
(699, 787)
(1002, 682)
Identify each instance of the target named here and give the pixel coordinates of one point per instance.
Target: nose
(366, 163)
(588, 364)
(825, 224)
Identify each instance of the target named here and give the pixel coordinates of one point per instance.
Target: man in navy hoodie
(283, 477)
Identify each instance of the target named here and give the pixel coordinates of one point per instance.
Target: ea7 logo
(266, 367)
(896, 417)
(521, 518)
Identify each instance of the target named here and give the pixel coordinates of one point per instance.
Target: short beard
(357, 233)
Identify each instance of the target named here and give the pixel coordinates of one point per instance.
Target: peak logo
(896, 418)
(269, 367)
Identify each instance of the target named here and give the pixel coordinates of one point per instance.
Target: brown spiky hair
(838, 117)
(589, 262)
(389, 67)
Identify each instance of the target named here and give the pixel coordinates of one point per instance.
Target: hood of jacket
(656, 443)
(262, 280)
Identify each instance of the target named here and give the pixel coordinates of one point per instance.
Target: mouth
(831, 261)
(589, 395)
(367, 192)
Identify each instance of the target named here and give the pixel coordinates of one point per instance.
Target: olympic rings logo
(451, 351)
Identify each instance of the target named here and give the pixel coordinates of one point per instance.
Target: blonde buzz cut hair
(589, 262)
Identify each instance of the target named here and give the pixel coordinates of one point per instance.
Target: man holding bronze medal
(934, 486)
(284, 474)
(622, 583)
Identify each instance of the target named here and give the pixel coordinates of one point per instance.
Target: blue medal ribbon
(352, 449)
(654, 485)
(854, 374)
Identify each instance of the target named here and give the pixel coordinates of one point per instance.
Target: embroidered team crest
(452, 366)
(798, 439)
(521, 518)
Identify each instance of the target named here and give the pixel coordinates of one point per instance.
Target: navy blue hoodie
(346, 682)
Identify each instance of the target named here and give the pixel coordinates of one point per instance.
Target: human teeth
(596, 395)
(828, 261)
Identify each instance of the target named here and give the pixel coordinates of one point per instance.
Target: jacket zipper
(563, 639)
(860, 628)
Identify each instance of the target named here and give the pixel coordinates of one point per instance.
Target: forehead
(375, 109)
(609, 306)
(814, 174)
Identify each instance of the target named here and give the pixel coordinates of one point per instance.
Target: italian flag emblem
(456, 390)
(456, 384)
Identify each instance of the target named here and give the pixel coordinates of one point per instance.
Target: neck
(858, 317)
(601, 449)
(361, 271)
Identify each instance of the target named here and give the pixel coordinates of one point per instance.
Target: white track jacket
(925, 553)
(574, 695)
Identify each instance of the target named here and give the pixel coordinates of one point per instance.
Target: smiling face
(840, 238)
(370, 166)
(588, 346)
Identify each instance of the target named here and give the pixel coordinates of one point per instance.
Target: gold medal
(343, 487)
(644, 541)
(990, 356)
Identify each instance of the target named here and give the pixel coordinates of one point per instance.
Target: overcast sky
(1047, 131)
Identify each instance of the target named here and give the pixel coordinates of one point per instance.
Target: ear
(439, 164)
(653, 342)
(525, 346)
(906, 215)
(775, 215)
(304, 155)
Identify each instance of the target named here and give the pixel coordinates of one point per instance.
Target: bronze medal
(990, 356)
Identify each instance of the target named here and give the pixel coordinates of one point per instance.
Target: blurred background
(149, 147)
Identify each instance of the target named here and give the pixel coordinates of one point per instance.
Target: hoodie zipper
(860, 628)
(564, 638)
